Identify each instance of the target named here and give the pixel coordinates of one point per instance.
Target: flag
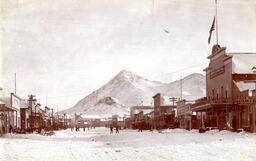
(212, 28)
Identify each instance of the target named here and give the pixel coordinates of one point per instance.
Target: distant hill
(127, 89)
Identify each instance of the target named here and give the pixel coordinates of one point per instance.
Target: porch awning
(4, 108)
(201, 107)
(204, 107)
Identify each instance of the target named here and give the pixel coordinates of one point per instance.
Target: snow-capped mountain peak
(125, 75)
(127, 89)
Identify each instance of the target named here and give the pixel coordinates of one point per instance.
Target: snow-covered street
(99, 145)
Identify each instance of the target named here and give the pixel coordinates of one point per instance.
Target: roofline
(13, 94)
(217, 52)
(156, 95)
(240, 53)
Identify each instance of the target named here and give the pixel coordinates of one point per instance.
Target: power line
(75, 94)
(197, 65)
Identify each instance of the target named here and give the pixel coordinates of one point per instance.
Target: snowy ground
(99, 145)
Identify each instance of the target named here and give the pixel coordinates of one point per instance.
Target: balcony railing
(205, 101)
(221, 100)
(246, 100)
(239, 100)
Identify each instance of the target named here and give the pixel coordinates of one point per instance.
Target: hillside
(127, 89)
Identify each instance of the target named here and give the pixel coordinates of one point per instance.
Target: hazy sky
(68, 48)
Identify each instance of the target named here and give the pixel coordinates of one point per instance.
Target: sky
(61, 51)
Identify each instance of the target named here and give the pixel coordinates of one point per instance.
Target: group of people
(77, 128)
(112, 128)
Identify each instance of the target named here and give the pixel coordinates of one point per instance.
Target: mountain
(127, 89)
(193, 87)
(166, 77)
(106, 107)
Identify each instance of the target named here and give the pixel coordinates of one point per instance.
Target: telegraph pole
(181, 88)
(30, 106)
(173, 99)
(15, 83)
(52, 121)
(254, 72)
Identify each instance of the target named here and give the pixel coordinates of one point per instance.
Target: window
(222, 94)
(218, 91)
(212, 93)
(227, 91)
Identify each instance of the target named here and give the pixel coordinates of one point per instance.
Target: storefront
(7, 118)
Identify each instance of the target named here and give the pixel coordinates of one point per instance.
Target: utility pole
(15, 83)
(181, 88)
(173, 99)
(31, 100)
(254, 72)
(52, 121)
(57, 119)
(30, 104)
(64, 120)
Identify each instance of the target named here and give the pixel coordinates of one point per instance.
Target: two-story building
(164, 115)
(230, 100)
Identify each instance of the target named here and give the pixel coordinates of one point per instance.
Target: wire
(76, 94)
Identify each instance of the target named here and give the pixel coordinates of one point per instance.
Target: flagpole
(216, 24)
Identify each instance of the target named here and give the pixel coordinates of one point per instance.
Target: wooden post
(8, 122)
(206, 116)
(248, 116)
(212, 116)
(202, 123)
(217, 119)
(253, 118)
(16, 119)
(239, 117)
(190, 122)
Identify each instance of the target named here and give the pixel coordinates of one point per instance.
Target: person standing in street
(10, 128)
(117, 129)
(111, 129)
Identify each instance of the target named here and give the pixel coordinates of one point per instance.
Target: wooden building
(164, 115)
(185, 117)
(139, 116)
(7, 116)
(230, 101)
(10, 112)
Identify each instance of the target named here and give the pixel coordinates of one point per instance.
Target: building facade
(139, 117)
(164, 115)
(185, 117)
(230, 100)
